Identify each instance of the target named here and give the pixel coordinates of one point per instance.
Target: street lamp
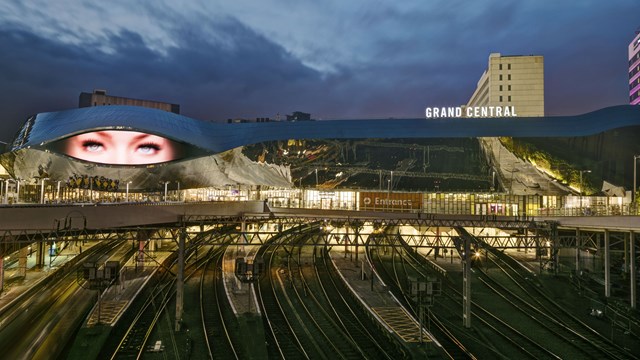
(178, 182)
(126, 199)
(6, 190)
(582, 172)
(42, 180)
(635, 186)
(58, 191)
(18, 181)
(316, 178)
(165, 190)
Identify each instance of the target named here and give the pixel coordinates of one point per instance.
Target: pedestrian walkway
(242, 296)
(115, 300)
(376, 297)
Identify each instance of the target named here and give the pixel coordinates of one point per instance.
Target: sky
(334, 59)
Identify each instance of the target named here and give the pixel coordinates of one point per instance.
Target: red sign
(390, 201)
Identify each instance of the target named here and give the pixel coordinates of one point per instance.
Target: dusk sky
(333, 59)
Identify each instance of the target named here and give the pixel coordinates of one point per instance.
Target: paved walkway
(376, 297)
(242, 296)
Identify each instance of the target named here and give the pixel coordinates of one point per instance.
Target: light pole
(165, 190)
(6, 190)
(316, 178)
(58, 191)
(126, 199)
(178, 182)
(42, 180)
(391, 182)
(18, 181)
(635, 185)
(582, 172)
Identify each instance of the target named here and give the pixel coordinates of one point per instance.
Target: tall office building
(516, 81)
(634, 70)
(100, 98)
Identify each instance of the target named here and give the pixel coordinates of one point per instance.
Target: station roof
(45, 128)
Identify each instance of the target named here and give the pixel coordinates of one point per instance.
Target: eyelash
(87, 143)
(150, 145)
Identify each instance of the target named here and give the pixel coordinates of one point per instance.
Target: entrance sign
(390, 201)
(470, 112)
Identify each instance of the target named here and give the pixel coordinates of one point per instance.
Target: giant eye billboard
(116, 147)
(140, 147)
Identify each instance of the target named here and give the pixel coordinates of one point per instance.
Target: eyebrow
(141, 136)
(101, 134)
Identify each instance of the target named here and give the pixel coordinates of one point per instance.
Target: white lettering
(470, 112)
(451, 112)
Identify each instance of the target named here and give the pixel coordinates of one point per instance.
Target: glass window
(509, 87)
(509, 66)
(501, 77)
(500, 98)
(500, 87)
(500, 66)
(509, 77)
(509, 98)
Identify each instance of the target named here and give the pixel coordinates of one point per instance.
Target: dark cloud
(218, 68)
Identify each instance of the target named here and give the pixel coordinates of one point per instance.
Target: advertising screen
(118, 147)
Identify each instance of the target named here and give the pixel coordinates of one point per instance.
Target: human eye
(148, 148)
(92, 146)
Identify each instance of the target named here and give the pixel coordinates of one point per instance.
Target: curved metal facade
(35, 151)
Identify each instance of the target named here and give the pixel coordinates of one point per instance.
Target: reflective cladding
(206, 158)
(218, 137)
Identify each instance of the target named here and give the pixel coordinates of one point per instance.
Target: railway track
(55, 307)
(132, 342)
(215, 310)
(345, 308)
(282, 337)
(516, 288)
(452, 347)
